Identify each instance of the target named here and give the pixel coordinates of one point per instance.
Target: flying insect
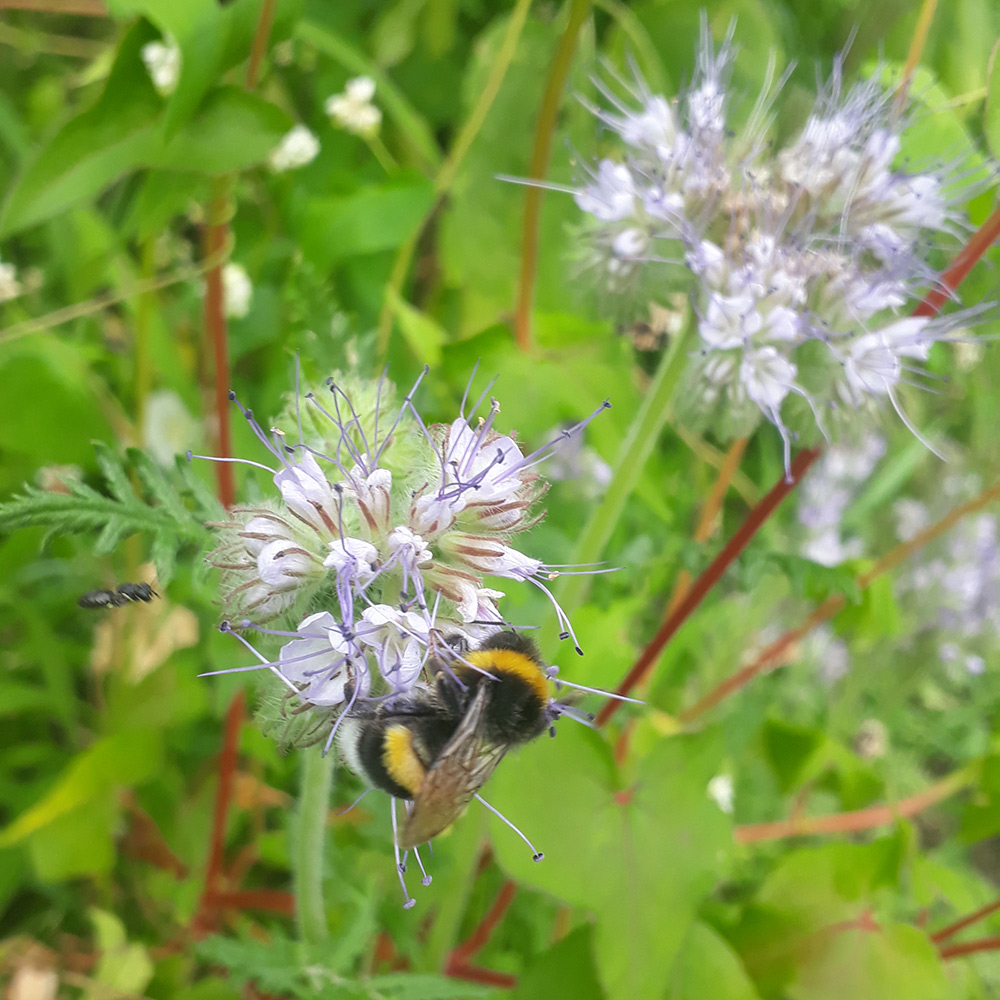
(126, 593)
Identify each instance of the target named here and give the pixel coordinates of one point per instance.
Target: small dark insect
(126, 593)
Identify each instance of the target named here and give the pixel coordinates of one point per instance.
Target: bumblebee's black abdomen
(371, 752)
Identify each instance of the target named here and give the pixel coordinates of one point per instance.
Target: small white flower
(237, 290)
(297, 148)
(353, 110)
(721, 792)
(10, 287)
(163, 63)
(168, 427)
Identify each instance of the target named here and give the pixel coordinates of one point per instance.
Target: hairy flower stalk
(800, 260)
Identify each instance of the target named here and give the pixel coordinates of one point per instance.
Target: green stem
(308, 848)
(635, 449)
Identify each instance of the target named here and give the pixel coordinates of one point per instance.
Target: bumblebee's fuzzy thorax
(517, 686)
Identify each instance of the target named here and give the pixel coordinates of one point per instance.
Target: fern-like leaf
(141, 499)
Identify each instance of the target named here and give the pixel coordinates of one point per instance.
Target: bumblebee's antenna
(535, 855)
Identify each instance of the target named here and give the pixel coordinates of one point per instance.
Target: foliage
(394, 249)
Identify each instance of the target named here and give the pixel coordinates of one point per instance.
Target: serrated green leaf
(207, 503)
(276, 968)
(409, 986)
(164, 556)
(160, 488)
(114, 473)
(107, 541)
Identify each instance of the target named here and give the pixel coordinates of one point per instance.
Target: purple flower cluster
(801, 259)
(389, 528)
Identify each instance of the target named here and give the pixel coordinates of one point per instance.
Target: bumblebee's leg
(535, 855)
(408, 900)
(343, 812)
(427, 879)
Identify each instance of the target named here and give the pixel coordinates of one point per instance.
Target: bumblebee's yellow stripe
(512, 662)
(401, 760)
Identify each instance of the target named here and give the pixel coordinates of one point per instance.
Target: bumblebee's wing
(460, 770)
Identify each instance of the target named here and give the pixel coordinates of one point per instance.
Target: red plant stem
(771, 656)
(755, 520)
(970, 947)
(858, 819)
(271, 900)
(956, 274)
(216, 238)
(81, 8)
(488, 977)
(264, 23)
(959, 925)
(478, 939)
(224, 794)
(542, 150)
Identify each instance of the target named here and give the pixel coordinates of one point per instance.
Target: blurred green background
(403, 248)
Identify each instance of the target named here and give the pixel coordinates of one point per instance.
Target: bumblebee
(436, 746)
(125, 594)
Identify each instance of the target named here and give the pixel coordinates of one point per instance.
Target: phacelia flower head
(391, 528)
(955, 587)
(800, 260)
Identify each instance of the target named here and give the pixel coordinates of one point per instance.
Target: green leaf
(233, 130)
(566, 969)
(199, 29)
(641, 859)
(78, 843)
(93, 149)
(122, 967)
(407, 986)
(991, 118)
(424, 336)
(708, 967)
(124, 131)
(892, 960)
(122, 759)
(370, 220)
(789, 749)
